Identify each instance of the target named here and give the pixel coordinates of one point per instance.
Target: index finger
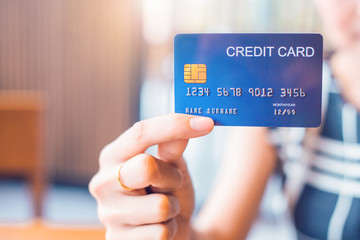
(153, 131)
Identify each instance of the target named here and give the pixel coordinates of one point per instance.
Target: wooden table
(22, 140)
(40, 230)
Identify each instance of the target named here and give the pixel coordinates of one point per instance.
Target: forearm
(233, 203)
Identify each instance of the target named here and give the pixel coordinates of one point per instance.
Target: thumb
(173, 150)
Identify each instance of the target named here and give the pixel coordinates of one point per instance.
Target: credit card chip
(195, 73)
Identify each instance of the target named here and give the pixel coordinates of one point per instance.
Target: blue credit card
(271, 80)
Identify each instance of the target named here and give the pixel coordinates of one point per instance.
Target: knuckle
(102, 216)
(100, 185)
(108, 217)
(105, 153)
(113, 234)
(150, 167)
(95, 186)
(163, 207)
(164, 232)
(174, 121)
(109, 235)
(176, 125)
(166, 154)
(138, 130)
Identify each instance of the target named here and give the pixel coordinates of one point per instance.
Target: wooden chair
(21, 140)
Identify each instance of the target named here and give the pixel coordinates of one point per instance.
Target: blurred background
(74, 74)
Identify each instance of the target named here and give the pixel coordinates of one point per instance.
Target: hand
(162, 202)
(346, 68)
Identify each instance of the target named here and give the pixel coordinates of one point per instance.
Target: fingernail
(201, 124)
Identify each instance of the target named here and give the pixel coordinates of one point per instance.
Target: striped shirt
(322, 168)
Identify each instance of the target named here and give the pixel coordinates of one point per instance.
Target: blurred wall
(162, 19)
(84, 56)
